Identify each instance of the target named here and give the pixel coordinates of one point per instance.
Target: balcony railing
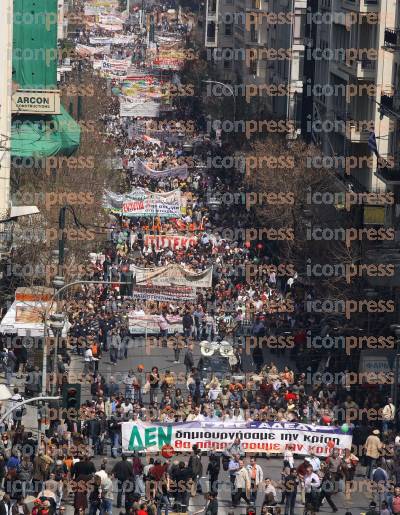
(368, 64)
(392, 40)
(387, 102)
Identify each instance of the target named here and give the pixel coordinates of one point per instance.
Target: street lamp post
(58, 282)
(370, 293)
(231, 91)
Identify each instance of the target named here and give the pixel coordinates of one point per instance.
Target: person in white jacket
(312, 483)
(388, 415)
(256, 478)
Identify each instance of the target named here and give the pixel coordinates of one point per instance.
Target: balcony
(390, 106)
(363, 69)
(391, 40)
(355, 135)
(368, 6)
(349, 128)
(361, 6)
(366, 69)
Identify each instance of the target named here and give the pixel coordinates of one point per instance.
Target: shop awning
(44, 136)
(24, 319)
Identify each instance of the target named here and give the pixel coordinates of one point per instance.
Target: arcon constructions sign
(36, 102)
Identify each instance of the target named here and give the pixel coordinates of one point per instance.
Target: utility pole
(6, 35)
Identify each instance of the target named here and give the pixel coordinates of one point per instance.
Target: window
(228, 29)
(253, 34)
(228, 62)
(253, 67)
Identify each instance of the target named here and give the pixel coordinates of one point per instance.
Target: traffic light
(71, 396)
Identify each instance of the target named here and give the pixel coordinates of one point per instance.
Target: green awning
(44, 136)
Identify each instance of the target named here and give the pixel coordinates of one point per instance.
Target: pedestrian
(242, 485)
(107, 496)
(348, 469)
(290, 486)
(388, 416)
(187, 322)
(213, 469)
(177, 348)
(256, 478)
(95, 496)
(312, 484)
(20, 507)
(123, 471)
(115, 346)
(328, 488)
(188, 359)
(270, 494)
(395, 501)
(373, 447)
(154, 380)
(196, 468)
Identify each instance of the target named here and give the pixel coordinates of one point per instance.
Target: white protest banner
(100, 41)
(171, 275)
(109, 19)
(256, 437)
(116, 65)
(138, 107)
(141, 168)
(123, 39)
(92, 10)
(163, 293)
(147, 203)
(172, 241)
(140, 323)
(111, 28)
(84, 50)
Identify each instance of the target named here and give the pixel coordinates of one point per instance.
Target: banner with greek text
(256, 437)
(115, 65)
(146, 203)
(164, 293)
(87, 51)
(140, 168)
(171, 275)
(139, 323)
(172, 241)
(138, 107)
(100, 41)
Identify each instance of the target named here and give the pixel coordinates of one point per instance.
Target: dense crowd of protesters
(79, 459)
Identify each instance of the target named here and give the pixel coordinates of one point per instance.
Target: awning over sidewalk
(23, 318)
(44, 136)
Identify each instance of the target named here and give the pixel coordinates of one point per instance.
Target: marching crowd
(79, 460)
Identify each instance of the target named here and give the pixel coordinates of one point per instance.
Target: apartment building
(351, 73)
(235, 33)
(239, 36)
(62, 21)
(289, 35)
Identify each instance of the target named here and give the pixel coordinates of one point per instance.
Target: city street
(195, 286)
(272, 467)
